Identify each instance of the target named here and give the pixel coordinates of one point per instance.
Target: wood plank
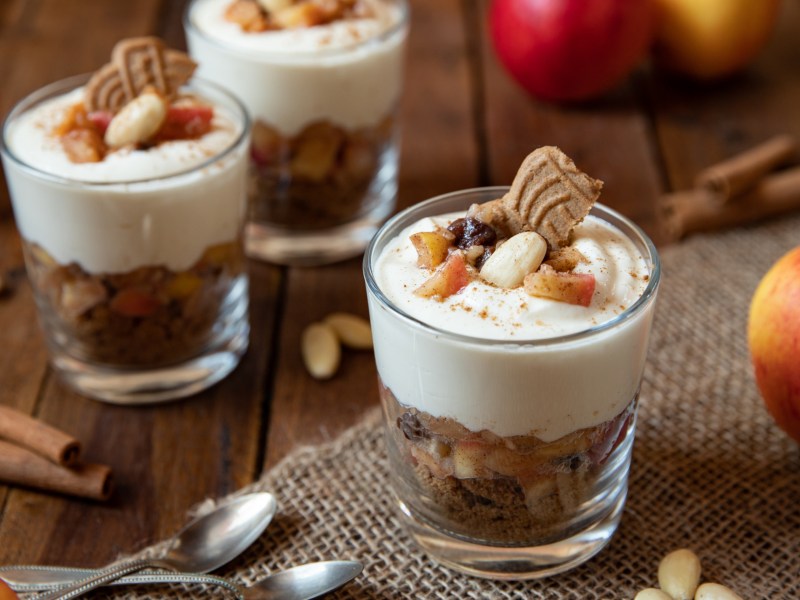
(23, 356)
(608, 138)
(165, 458)
(439, 155)
(698, 124)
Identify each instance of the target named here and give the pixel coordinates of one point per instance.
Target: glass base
(137, 386)
(514, 562)
(320, 247)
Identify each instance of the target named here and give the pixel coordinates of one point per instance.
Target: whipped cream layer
(347, 72)
(503, 384)
(160, 206)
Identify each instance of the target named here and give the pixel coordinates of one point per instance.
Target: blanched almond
(652, 594)
(321, 350)
(715, 591)
(679, 574)
(515, 258)
(137, 121)
(352, 331)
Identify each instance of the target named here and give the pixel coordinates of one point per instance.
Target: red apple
(571, 49)
(773, 334)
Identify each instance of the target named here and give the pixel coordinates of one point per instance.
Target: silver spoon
(205, 544)
(304, 582)
(298, 583)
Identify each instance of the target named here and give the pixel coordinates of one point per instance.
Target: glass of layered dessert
(129, 189)
(510, 329)
(322, 80)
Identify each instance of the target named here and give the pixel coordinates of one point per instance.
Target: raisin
(472, 232)
(411, 427)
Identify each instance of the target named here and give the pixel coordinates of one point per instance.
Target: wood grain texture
(465, 123)
(439, 155)
(699, 125)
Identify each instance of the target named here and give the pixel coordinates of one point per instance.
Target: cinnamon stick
(47, 441)
(733, 177)
(701, 210)
(19, 466)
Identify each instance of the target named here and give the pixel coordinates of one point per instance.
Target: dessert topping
(508, 239)
(137, 64)
(132, 101)
(572, 288)
(255, 16)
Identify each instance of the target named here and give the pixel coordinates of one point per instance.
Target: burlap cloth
(710, 469)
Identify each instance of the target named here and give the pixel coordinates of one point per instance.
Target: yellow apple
(773, 334)
(710, 39)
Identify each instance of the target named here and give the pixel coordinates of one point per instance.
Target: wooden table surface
(465, 123)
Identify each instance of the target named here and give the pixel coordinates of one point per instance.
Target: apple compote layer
(321, 177)
(147, 317)
(512, 490)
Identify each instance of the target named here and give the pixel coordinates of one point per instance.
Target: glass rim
(64, 86)
(644, 300)
(400, 26)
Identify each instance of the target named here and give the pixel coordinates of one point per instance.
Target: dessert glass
(324, 157)
(122, 322)
(511, 507)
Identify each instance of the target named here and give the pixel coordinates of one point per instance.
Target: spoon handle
(37, 578)
(101, 578)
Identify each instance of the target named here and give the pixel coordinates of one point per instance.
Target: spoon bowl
(304, 582)
(217, 537)
(205, 544)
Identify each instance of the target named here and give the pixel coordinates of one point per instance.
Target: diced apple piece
(572, 288)
(133, 302)
(100, 120)
(247, 14)
(432, 248)
(316, 151)
(83, 145)
(186, 122)
(437, 467)
(469, 460)
(299, 15)
(449, 278)
(267, 144)
(514, 259)
(78, 297)
(183, 285)
(511, 463)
